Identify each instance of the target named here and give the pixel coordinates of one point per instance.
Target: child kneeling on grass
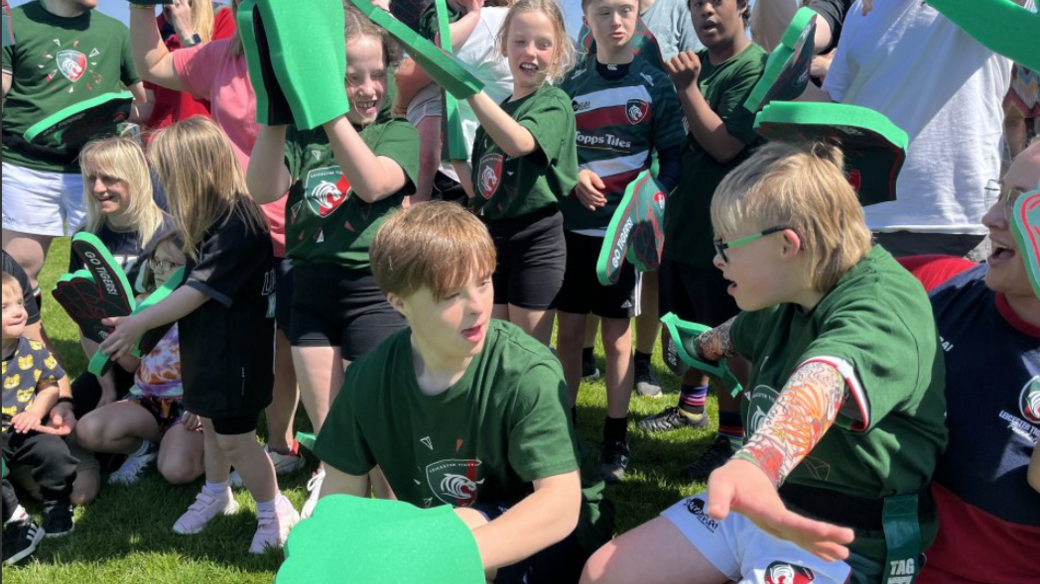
(845, 416)
(153, 413)
(463, 410)
(30, 390)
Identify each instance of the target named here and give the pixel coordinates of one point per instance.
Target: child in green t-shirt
(713, 85)
(524, 162)
(845, 418)
(344, 179)
(464, 410)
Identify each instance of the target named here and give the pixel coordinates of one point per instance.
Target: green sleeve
(877, 354)
(127, 73)
(739, 121)
(341, 443)
(546, 119)
(668, 114)
(540, 439)
(399, 142)
(293, 153)
(750, 327)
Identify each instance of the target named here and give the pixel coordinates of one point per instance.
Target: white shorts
(746, 554)
(39, 202)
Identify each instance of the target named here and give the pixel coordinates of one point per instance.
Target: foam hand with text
(296, 54)
(789, 65)
(635, 232)
(1003, 26)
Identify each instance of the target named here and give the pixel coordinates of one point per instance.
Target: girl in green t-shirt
(524, 161)
(343, 180)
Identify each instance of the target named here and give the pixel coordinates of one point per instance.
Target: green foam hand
(874, 147)
(789, 65)
(1025, 226)
(354, 540)
(449, 72)
(72, 127)
(296, 54)
(681, 352)
(635, 232)
(454, 139)
(1002, 26)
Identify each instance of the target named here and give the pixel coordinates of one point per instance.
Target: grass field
(125, 536)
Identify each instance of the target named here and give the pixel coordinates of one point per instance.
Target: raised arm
(515, 140)
(706, 126)
(267, 177)
(153, 61)
(371, 177)
(463, 27)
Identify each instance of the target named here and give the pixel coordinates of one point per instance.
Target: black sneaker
(589, 370)
(645, 384)
(20, 541)
(613, 460)
(57, 519)
(672, 418)
(717, 455)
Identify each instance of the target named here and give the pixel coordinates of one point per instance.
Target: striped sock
(691, 399)
(732, 427)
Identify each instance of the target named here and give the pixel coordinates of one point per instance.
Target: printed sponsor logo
(72, 64)
(785, 573)
(490, 174)
(902, 571)
(581, 106)
(602, 140)
(696, 508)
(636, 110)
(455, 481)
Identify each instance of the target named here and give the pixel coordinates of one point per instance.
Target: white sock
(145, 447)
(269, 506)
(217, 489)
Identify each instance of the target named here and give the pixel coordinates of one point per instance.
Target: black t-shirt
(125, 247)
(227, 345)
(32, 310)
(832, 11)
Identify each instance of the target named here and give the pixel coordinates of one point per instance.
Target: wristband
(191, 41)
(65, 400)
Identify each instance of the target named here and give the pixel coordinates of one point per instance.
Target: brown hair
(356, 24)
(146, 279)
(563, 53)
(202, 177)
(802, 187)
(435, 245)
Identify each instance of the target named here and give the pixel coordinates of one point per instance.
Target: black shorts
(86, 390)
(283, 293)
(337, 307)
(235, 425)
(582, 293)
(560, 562)
(695, 294)
(532, 257)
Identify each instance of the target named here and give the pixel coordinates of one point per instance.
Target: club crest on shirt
(761, 401)
(489, 174)
(72, 64)
(1029, 400)
(636, 110)
(325, 190)
(784, 573)
(455, 481)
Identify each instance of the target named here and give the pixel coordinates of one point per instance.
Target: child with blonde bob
(845, 409)
(485, 402)
(524, 161)
(222, 314)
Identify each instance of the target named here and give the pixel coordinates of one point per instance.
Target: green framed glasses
(722, 246)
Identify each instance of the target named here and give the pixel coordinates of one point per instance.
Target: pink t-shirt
(209, 71)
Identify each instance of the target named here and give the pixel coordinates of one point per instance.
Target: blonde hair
(202, 19)
(11, 285)
(563, 47)
(435, 245)
(123, 159)
(202, 177)
(802, 187)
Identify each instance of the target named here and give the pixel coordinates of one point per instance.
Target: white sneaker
(273, 526)
(135, 464)
(20, 515)
(203, 510)
(283, 464)
(314, 490)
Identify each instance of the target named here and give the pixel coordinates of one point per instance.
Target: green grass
(125, 536)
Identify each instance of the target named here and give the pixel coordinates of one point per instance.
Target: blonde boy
(844, 416)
